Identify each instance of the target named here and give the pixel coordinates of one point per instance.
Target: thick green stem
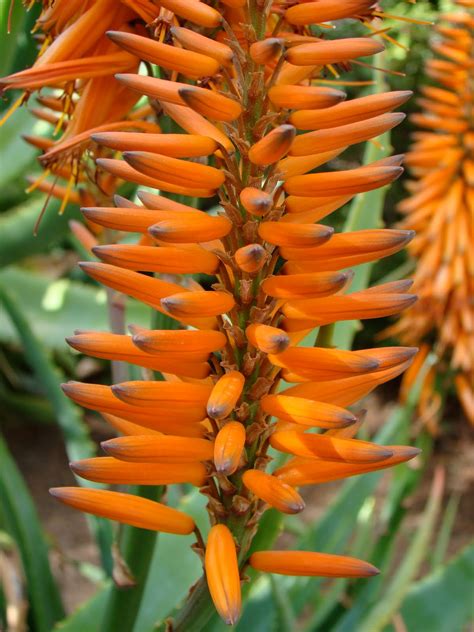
(197, 611)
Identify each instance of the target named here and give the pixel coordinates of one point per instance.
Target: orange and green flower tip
(126, 508)
(310, 564)
(222, 573)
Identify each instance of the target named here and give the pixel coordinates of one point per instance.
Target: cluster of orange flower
(240, 80)
(441, 210)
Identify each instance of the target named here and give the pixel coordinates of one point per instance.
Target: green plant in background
(35, 308)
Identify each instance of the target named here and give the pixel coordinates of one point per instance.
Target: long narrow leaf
(19, 517)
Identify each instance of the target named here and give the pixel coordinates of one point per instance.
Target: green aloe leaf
(442, 601)
(19, 517)
(54, 307)
(88, 616)
(75, 432)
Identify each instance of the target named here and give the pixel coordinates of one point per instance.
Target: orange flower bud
(194, 11)
(201, 44)
(264, 51)
(344, 135)
(311, 284)
(159, 449)
(225, 395)
(307, 563)
(186, 228)
(105, 469)
(101, 398)
(173, 145)
(199, 304)
(133, 510)
(325, 11)
(310, 97)
(255, 201)
(303, 471)
(210, 104)
(179, 341)
(352, 111)
(165, 260)
(327, 448)
(127, 427)
(83, 235)
(267, 339)
(188, 63)
(272, 491)
(228, 447)
(251, 258)
(174, 170)
(118, 347)
(273, 146)
(306, 411)
(195, 123)
(297, 235)
(297, 165)
(320, 363)
(342, 182)
(222, 573)
(333, 52)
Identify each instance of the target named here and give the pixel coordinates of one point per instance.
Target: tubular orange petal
(309, 564)
(349, 112)
(342, 182)
(341, 136)
(174, 170)
(179, 341)
(333, 52)
(306, 412)
(229, 447)
(264, 51)
(105, 469)
(305, 285)
(194, 11)
(324, 363)
(137, 221)
(133, 510)
(297, 235)
(173, 145)
(311, 97)
(255, 201)
(201, 44)
(222, 573)
(210, 104)
(273, 146)
(159, 449)
(303, 471)
(101, 398)
(197, 304)
(225, 395)
(186, 62)
(272, 491)
(186, 228)
(251, 258)
(180, 397)
(325, 11)
(328, 448)
(127, 427)
(163, 259)
(195, 123)
(267, 339)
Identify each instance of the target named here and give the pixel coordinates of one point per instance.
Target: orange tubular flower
(236, 87)
(441, 209)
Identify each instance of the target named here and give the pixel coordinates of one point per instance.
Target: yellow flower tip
(222, 573)
(251, 258)
(273, 491)
(225, 395)
(255, 201)
(311, 564)
(228, 447)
